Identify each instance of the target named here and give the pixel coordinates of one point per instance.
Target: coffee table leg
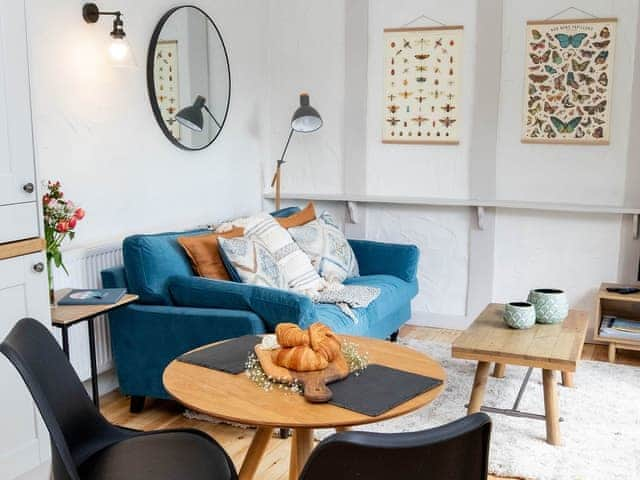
(301, 445)
(254, 454)
(479, 384)
(498, 370)
(567, 379)
(551, 407)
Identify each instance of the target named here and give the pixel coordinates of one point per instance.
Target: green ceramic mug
(551, 304)
(519, 315)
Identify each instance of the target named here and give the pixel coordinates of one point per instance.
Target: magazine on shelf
(616, 327)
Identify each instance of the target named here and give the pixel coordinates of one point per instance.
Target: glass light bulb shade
(120, 52)
(306, 124)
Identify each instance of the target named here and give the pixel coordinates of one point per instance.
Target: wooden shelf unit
(625, 306)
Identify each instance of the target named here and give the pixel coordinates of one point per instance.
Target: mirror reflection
(189, 77)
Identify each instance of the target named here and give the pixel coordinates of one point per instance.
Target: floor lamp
(306, 119)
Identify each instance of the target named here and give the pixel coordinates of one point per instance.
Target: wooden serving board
(314, 383)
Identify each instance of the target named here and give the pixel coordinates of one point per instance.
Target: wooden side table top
(236, 398)
(630, 297)
(552, 347)
(64, 315)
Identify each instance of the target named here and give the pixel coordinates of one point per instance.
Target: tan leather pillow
(204, 254)
(306, 215)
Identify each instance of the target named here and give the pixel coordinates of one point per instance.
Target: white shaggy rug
(600, 432)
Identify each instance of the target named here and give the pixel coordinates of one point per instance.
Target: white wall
(563, 173)
(95, 130)
(306, 51)
(434, 170)
(521, 249)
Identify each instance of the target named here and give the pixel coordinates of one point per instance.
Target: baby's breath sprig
(356, 361)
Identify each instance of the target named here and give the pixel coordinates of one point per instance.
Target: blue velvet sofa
(179, 311)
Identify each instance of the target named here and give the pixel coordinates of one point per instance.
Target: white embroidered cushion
(330, 252)
(293, 262)
(250, 261)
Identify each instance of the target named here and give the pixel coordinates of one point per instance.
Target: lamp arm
(211, 115)
(286, 147)
(281, 160)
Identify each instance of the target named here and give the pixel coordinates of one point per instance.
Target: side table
(63, 316)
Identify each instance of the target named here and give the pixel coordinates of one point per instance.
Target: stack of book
(622, 328)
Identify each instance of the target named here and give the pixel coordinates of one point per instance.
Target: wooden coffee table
(237, 399)
(549, 347)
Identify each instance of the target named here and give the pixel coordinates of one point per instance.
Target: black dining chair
(84, 445)
(456, 451)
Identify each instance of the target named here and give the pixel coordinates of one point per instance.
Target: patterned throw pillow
(249, 261)
(330, 252)
(293, 262)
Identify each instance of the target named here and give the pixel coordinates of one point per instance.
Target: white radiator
(84, 267)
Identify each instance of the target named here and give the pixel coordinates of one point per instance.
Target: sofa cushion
(249, 261)
(329, 251)
(149, 261)
(293, 262)
(285, 212)
(204, 254)
(306, 215)
(383, 316)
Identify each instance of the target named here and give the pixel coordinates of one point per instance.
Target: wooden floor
(161, 414)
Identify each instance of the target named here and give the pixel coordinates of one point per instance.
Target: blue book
(97, 296)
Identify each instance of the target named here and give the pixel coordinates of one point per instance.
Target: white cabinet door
(24, 442)
(17, 172)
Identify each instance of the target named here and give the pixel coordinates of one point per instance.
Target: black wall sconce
(119, 49)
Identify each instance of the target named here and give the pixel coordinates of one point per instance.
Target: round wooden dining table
(236, 398)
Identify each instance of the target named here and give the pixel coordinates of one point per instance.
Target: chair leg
(394, 336)
(284, 433)
(137, 404)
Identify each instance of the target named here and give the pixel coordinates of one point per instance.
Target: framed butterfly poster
(422, 85)
(568, 81)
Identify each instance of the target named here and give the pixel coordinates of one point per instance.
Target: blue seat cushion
(382, 317)
(149, 261)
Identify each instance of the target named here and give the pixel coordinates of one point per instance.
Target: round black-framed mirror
(189, 77)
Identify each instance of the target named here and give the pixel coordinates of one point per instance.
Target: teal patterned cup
(519, 315)
(551, 305)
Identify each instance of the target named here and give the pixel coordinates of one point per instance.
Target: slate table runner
(378, 389)
(230, 356)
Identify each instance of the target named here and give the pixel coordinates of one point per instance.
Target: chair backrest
(456, 451)
(76, 428)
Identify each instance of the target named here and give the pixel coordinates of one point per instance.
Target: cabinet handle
(28, 187)
(38, 267)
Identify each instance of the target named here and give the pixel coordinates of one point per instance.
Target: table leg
(254, 454)
(301, 444)
(343, 429)
(551, 407)
(65, 341)
(479, 384)
(94, 367)
(498, 370)
(567, 379)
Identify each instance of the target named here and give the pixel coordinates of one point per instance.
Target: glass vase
(52, 298)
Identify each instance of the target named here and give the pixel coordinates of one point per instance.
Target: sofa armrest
(272, 305)
(386, 258)
(146, 338)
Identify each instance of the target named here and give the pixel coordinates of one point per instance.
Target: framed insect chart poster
(422, 85)
(568, 81)
(165, 74)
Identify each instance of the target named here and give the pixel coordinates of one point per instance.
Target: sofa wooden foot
(137, 404)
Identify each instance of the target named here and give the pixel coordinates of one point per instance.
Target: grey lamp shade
(191, 116)
(306, 118)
